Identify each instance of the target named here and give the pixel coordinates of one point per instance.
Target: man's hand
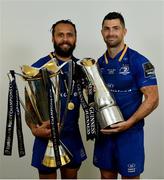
(116, 128)
(43, 131)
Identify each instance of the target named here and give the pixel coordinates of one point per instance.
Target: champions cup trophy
(107, 111)
(37, 104)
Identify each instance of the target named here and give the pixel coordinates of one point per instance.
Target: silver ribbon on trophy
(107, 111)
(42, 103)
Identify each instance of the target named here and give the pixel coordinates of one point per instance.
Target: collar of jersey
(119, 56)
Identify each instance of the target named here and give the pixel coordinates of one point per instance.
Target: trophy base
(49, 158)
(50, 161)
(109, 115)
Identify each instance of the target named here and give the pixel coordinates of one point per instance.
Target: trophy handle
(29, 93)
(30, 73)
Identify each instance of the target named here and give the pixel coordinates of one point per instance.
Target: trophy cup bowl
(37, 106)
(107, 111)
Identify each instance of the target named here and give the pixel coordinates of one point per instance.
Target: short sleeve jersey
(125, 78)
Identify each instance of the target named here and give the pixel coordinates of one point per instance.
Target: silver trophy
(107, 111)
(36, 105)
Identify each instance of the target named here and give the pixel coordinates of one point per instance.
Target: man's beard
(113, 44)
(64, 53)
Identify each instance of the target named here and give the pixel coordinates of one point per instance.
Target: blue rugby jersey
(125, 78)
(71, 120)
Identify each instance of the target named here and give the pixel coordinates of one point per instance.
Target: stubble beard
(113, 44)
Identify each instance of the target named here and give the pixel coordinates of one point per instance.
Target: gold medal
(71, 106)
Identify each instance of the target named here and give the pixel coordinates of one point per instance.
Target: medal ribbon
(69, 90)
(68, 82)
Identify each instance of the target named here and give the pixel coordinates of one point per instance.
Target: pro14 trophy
(107, 111)
(42, 103)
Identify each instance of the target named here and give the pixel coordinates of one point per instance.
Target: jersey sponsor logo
(120, 91)
(124, 70)
(131, 167)
(108, 71)
(111, 71)
(148, 69)
(110, 86)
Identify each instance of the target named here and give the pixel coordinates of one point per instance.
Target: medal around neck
(71, 106)
(108, 112)
(37, 104)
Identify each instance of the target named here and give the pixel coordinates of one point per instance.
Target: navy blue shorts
(70, 165)
(123, 152)
(71, 140)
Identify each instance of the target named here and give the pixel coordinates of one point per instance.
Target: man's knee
(43, 175)
(67, 173)
(108, 174)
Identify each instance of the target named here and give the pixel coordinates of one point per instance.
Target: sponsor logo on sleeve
(148, 69)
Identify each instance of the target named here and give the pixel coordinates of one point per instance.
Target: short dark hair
(67, 21)
(114, 15)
